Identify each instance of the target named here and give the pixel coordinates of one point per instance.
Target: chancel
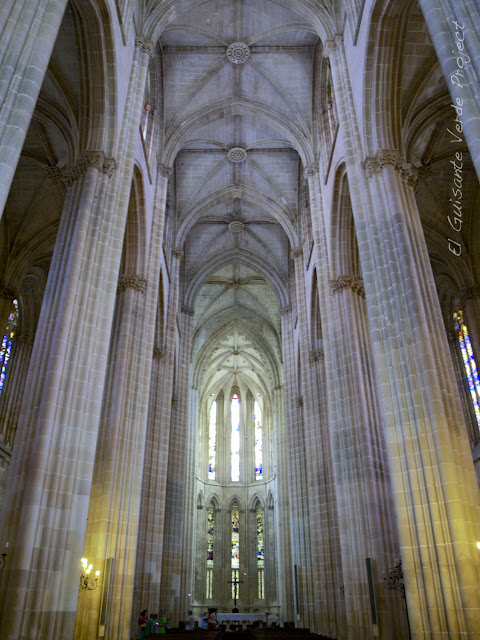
(240, 310)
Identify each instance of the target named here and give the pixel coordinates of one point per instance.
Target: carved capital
(299, 401)
(388, 158)
(187, 310)
(131, 282)
(310, 171)
(285, 310)
(297, 253)
(470, 293)
(177, 253)
(164, 171)
(348, 282)
(7, 294)
(316, 355)
(158, 353)
(145, 45)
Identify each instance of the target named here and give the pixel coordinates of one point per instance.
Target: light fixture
(478, 545)
(87, 581)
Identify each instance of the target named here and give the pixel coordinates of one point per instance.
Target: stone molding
(285, 310)
(177, 253)
(145, 45)
(316, 355)
(131, 282)
(470, 293)
(91, 159)
(187, 310)
(348, 282)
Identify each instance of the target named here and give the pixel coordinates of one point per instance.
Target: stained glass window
(212, 441)
(260, 554)
(235, 439)
(235, 563)
(210, 539)
(468, 361)
(257, 421)
(7, 342)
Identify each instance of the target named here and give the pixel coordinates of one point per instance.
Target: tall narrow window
(257, 421)
(210, 539)
(235, 438)
(468, 361)
(260, 554)
(235, 566)
(7, 342)
(212, 441)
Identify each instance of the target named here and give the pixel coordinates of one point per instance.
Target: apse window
(235, 439)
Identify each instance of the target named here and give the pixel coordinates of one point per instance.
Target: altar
(240, 618)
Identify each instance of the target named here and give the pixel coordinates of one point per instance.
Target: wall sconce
(87, 581)
(2, 561)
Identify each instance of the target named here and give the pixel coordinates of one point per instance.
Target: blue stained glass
(7, 342)
(257, 420)
(468, 361)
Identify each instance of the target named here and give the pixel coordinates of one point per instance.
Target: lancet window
(235, 438)
(8, 341)
(257, 422)
(212, 441)
(260, 554)
(468, 361)
(210, 551)
(235, 562)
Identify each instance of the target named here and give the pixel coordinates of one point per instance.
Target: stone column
(152, 507)
(363, 484)
(300, 550)
(453, 27)
(28, 34)
(282, 506)
(176, 576)
(332, 614)
(44, 516)
(432, 472)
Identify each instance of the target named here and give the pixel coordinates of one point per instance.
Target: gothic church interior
(240, 280)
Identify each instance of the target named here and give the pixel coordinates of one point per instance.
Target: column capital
(164, 171)
(383, 158)
(177, 253)
(316, 355)
(131, 282)
(285, 310)
(332, 44)
(72, 171)
(158, 353)
(470, 293)
(187, 310)
(145, 45)
(6, 293)
(297, 253)
(348, 282)
(310, 171)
